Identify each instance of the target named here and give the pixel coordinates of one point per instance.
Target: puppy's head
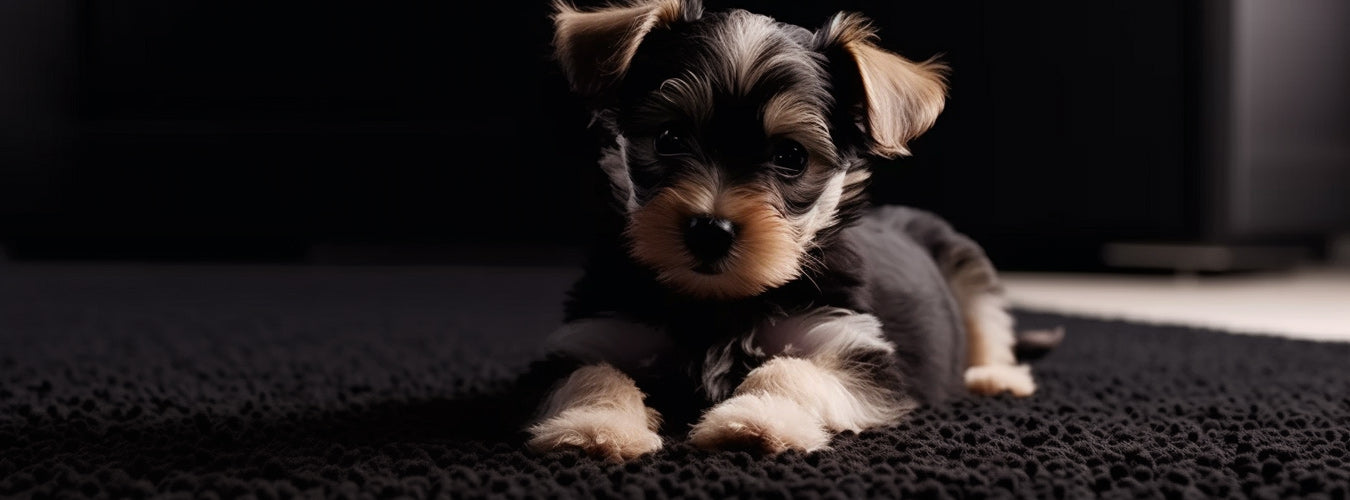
(739, 141)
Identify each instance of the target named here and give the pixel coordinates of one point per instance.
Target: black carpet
(360, 382)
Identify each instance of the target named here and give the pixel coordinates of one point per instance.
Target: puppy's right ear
(595, 47)
(892, 98)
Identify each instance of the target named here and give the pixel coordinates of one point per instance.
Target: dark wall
(222, 129)
(250, 129)
(37, 48)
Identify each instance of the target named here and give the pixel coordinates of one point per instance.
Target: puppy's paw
(989, 380)
(599, 432)
(760, 423)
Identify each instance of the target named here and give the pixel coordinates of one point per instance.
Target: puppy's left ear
(893, 99)
(596, 46)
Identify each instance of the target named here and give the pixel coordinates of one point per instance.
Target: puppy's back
(906, 289)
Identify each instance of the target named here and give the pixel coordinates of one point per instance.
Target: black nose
(709, 238)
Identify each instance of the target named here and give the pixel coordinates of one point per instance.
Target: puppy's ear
(596, 46)
(892, 98)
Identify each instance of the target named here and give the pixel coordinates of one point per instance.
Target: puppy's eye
(789, 158)
(671, 142)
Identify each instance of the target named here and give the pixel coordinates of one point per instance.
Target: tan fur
(992, 366)
(824, 334)
(745, 56)
(789, 116)
(599, 410)
(595, 47)
(991, 330)
(904, 97)
(827, 389)
(765, 423)
(794, 403)
(824, 213)
(766, 253)
(989, 380)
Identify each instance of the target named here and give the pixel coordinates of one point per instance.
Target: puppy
(742, 285)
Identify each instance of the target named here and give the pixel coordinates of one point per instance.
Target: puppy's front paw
(599, 432)
(760, 423)
(989, 380)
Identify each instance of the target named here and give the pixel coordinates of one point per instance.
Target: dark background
(172, 130)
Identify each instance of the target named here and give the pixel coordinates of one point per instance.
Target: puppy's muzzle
(709, 240)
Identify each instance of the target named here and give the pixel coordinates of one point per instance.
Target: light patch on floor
(1308, 303)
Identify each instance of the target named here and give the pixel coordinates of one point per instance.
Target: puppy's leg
(835, 373)
(599, 410)
(992, 367)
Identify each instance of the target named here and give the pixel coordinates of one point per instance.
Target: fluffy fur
(743, 288)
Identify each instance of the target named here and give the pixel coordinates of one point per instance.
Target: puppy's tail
(1031, 345)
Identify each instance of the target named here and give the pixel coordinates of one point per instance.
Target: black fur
(883, 262)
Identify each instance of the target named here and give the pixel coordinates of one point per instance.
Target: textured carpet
(359, 382)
